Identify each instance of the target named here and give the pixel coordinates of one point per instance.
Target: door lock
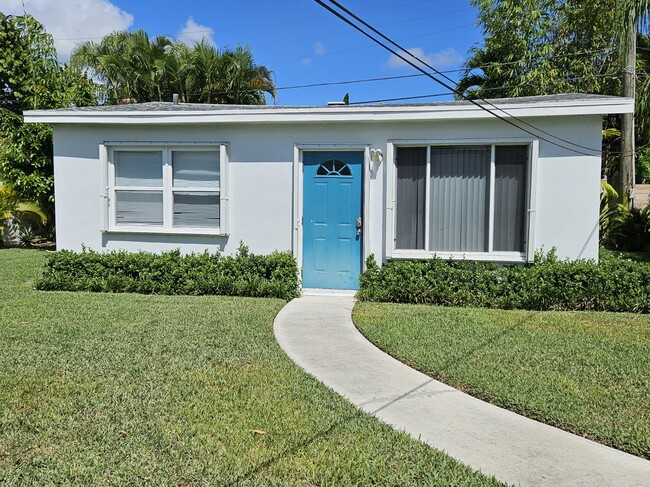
(359, 225)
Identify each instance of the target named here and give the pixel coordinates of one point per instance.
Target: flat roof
(167, 112)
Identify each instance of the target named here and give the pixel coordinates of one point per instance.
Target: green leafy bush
(244, 274)
(615, 284)
(629, 230)
(642, 171)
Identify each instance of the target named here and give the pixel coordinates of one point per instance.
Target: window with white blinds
(159, 189)
(461, 199)
(138, 188)
(196, 189)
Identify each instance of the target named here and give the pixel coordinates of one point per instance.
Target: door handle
(359, 225)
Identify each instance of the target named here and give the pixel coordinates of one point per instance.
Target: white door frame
(297, 221)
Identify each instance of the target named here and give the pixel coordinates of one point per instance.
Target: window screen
(459, 198)
(139, 208)
(510, 198)
(139, 181)
(464, 191)
(196, 169)
(196, 210)
(143, 168)
(167, 187)
(411, 175)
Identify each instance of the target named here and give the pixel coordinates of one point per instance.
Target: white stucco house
(333, 184)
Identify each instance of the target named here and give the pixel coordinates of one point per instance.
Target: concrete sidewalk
(318, 334)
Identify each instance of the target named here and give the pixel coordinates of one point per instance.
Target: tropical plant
(643, 166)
(12, 207)
(630, 229)
(134, 68)
(243, 81)
(608, 199)
(130, 66)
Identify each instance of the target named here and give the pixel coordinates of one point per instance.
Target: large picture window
(166, 189)
(461, 199)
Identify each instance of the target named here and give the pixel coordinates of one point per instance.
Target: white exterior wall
(261, 183)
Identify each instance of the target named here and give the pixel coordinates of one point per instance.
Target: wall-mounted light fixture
(376, 156)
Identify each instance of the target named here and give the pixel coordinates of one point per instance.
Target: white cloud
(319, 49)
(192, 32)
(72, 21)
(441, 59)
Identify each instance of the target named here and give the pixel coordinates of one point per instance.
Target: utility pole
(626, 189)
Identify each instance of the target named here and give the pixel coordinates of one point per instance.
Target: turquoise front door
(332, 219)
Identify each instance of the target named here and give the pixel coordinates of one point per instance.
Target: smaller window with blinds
(196, 189)
(166, 189)
(463, 199)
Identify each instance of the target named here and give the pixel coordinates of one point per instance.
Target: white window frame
(108, 187)
(496, 256)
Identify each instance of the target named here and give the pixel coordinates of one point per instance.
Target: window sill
(216, 232)
(510, 257)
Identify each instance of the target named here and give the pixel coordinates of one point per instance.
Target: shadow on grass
(391, 401)
(291, 450)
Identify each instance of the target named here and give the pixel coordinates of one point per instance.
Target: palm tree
(131, 66)
(135, 68)
(205, 73)
(227, 76)
(245, 82)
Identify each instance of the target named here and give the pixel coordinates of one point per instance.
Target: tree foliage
(32, 78)
(135, 68)
(535, 47)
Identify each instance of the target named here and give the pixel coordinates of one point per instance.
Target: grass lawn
(588, 373)
(126, 389)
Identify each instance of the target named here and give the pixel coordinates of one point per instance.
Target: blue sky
(297, 39)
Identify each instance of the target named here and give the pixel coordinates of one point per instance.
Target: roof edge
(532, 107)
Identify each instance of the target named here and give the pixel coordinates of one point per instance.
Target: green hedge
(245, 274)
(615, 284)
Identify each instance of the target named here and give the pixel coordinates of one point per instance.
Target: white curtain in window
(139, 208)
(459, 199)
(138, 168)
(410, 204)
(196, 210)
(196, 169)
(510, 198)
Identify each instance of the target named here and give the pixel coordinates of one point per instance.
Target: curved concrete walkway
(318, 334)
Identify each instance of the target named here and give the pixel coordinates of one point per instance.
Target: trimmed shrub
(615, 284)
(245, 274)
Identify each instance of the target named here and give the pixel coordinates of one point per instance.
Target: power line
(433, 95)
(446, 85)
(366, 80)
(506, 87)
(407, 76)
(462, 95)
